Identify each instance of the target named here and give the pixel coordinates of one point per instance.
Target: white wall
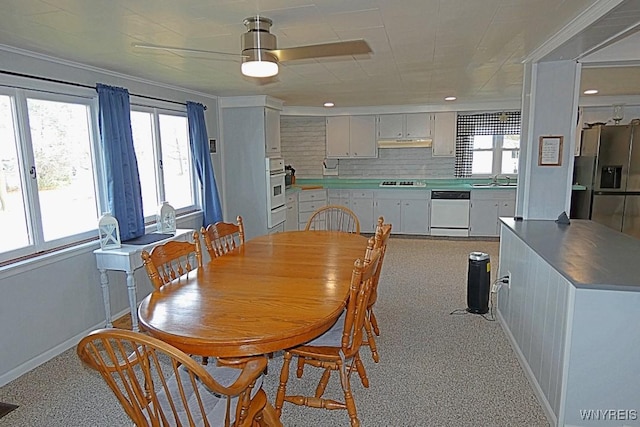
(50, 302)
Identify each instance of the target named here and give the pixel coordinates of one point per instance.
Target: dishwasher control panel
(450, 195)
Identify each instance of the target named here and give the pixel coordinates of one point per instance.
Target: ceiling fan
(260, 55)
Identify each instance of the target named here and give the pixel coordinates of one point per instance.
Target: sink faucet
(495, 179)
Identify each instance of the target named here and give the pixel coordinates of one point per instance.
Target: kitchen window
(495, 155)
(487, 144)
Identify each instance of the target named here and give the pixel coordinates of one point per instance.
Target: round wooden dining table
(274, 292)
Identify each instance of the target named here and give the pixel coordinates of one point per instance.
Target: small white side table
(128, 259)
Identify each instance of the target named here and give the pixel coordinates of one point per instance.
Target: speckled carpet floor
(435, 369)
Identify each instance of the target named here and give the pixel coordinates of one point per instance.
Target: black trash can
(478, 283)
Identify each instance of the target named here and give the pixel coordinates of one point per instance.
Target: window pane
(482, 162)
(510, 161)
(176, 160)
(61, 140)
(142, 129)
(511, 142)
(483, 141)
(13, 220)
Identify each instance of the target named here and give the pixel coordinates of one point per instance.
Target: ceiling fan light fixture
(259, 68)
(259, 63)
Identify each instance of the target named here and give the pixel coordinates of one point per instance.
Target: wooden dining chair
(337, 349)
(222, 237)
(159, 385)
(169, 261)
(334, 218)
(381, 237)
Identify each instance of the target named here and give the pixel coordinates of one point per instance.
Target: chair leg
(361, 371)
(300, 369)
(282, 387)
(324, 381)
(374, 322)
(371, 341)
(348, 397)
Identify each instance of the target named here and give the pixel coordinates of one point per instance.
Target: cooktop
(402, 184)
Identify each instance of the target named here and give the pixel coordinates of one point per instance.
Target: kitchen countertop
(374, 184)
(588, 254)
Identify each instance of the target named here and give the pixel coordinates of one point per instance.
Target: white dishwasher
(450, 213)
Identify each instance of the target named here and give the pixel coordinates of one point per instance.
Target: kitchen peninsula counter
(588, 254)
(571, 310)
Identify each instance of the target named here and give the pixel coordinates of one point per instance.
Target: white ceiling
(423, 50)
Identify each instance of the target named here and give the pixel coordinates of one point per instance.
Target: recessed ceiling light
(450, 98)
(329, 104)
(591, 91)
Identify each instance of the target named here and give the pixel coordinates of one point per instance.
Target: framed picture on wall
(212, 146)
(550, 151)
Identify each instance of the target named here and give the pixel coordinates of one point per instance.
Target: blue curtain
(123, 182)
(199, 142)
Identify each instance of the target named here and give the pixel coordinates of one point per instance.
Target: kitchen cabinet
(406, 211)
(487, 206)
(444, 135)
(414, 216)
(360, 202)
(339, 197)
(405, 126)
(362, 205)
(308, 202)
(351, 137)
(291, 223)
(272, 132)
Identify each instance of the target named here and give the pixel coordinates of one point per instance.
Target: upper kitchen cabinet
(444, 134)
(405, 126)
(351, 137)
(272, 132)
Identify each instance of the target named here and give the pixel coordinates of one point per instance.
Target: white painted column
(549, 108)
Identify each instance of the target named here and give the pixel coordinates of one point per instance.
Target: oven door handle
(279, 209)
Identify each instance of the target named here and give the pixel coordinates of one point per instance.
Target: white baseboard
(31, 364)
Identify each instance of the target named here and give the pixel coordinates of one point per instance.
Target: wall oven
(276, 200)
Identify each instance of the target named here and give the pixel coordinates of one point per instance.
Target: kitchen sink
(494, 184)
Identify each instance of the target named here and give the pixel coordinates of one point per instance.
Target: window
(161, 141)
(495, 154)
(48, 182)
(487, 144)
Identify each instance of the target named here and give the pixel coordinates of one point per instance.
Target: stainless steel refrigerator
(615, 186)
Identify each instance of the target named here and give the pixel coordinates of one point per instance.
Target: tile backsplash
(303, 147)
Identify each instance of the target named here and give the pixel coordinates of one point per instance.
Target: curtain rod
(46, 79)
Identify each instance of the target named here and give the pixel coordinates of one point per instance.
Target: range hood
(404, 143)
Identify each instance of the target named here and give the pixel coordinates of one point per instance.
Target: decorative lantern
(109, 232)
(166, 218)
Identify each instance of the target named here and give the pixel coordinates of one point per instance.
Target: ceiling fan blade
(182, 49)
(352, 47)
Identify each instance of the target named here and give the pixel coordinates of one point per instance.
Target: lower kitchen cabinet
(360, 202)
(487, 206)
(308, 202)
(406, 211)
(291, 223)
(362, 205)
